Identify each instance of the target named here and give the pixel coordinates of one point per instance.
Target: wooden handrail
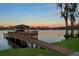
(23, 35)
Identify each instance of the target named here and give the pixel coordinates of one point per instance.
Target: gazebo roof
(22, 26)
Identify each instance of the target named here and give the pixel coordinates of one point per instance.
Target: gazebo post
(28, 29)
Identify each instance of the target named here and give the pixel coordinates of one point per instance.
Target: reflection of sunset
(36, 24)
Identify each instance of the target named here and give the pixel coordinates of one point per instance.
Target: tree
(64, 14)
(78, 21)
(78, 27)
(72, 10)
(68, 10)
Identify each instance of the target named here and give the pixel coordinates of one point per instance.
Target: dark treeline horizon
(38, 27)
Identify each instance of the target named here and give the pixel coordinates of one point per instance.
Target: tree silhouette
(68, 10)
(64, 14)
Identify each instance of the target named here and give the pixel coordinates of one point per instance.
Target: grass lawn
(29, 52)
(72, 44)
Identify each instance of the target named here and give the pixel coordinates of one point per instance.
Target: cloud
(42, 16)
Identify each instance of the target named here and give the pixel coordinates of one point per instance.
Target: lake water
(50, 36)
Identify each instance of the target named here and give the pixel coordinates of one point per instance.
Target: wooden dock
(32, 37)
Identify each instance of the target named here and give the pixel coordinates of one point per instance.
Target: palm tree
(64, 13)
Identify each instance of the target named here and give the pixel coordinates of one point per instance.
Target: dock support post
(11, 39)
(21, 42)
(27, 44)
(31, 45)
(14, 40)
(36, 46)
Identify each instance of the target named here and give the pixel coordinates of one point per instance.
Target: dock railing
(23, 35)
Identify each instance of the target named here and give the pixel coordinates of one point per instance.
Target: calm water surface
(50, 36)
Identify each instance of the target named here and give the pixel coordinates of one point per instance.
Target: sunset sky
(39, 14)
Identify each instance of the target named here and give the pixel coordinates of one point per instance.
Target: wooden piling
(36, 46)
(31, 45)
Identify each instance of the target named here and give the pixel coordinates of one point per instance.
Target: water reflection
(13, 45)
(50, 36)
(17, 44)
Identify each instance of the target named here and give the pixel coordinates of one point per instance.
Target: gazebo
(22, 28)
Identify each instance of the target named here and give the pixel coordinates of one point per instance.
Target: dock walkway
(32, 38)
